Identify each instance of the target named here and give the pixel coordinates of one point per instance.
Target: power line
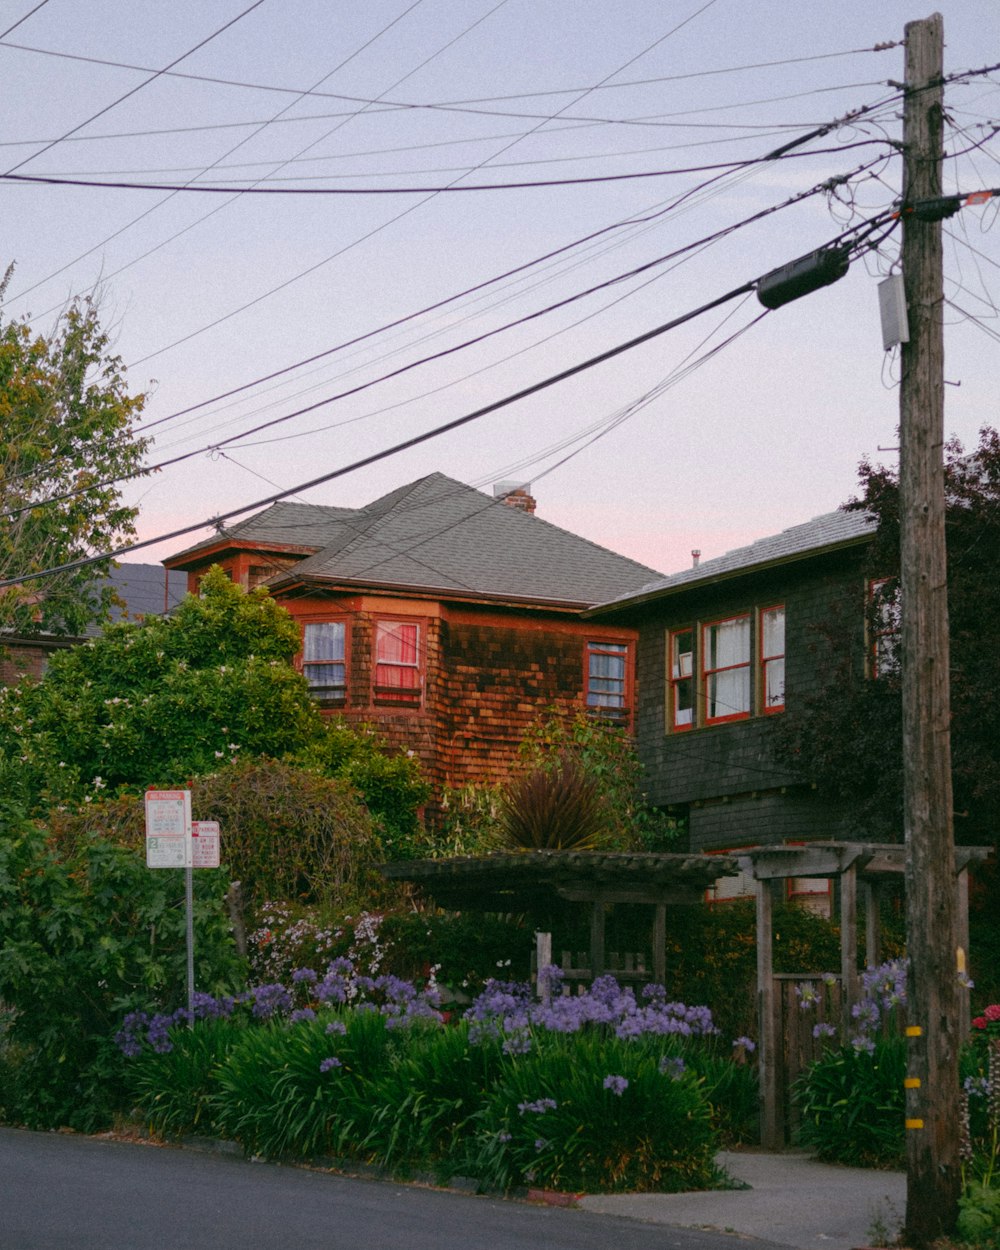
(406, 444)
(862, 232)
(408, 367)
(396, 106)
(226, 189)
(133, 90)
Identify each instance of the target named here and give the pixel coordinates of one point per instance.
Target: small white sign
(168, 828)
(204, 844)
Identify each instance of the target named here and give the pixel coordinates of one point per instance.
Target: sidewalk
(793, 1201)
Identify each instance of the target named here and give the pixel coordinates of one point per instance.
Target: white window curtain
(727, 668)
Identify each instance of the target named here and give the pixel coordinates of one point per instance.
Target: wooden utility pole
(932, 1093)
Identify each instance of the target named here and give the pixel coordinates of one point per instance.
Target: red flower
(979, 1022)
(992, 1012)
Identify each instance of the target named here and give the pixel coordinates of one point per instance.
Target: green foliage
(346, 1084)
(391, 783)
(608, 755)
(178, 1090)
(83, 938)
(655, 1134)
(466, 823)
(66, 436)
(286, 833)
(848, 741)
(979, 1216)
(853, 1105)
(160, 702)
(463, 949)
(553, 809)
(277, 1102)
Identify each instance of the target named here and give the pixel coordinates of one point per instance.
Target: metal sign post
(174, 840)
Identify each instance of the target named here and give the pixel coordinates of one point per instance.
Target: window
(682, 679)
(607, 679)
(726, 669)
(324, 664)
(397, 662)
(885, 621)
(772, 660)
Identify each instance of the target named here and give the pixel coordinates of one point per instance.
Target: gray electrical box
(892, 310)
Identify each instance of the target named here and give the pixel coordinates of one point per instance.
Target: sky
(641, 127)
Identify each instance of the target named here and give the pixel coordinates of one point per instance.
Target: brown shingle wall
(19, 660)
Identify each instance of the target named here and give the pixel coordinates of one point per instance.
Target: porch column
(597, 938)
(660, 943)
(768, 1056)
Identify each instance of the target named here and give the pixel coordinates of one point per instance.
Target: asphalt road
(64, 1192)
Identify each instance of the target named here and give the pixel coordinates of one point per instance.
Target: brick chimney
(515, 495)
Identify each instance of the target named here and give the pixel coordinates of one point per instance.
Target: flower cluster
(989, 1021)
(398, 1001)
(616, 1084)
(505, 1010)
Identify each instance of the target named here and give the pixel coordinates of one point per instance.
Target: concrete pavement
(793, 1201)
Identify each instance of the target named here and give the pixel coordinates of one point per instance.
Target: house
(140, 590)
(725, 647)
(447, 619)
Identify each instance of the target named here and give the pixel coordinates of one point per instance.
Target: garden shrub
(853, 1105)
(83, 937)
(594, 1113)
(285, 832)
(390, 782)
(600, 1092)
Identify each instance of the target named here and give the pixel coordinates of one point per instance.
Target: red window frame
(767, 661)
(599, 687)
(332, 692)
(397, 663)
(712, 673)
(884, 624)
(681, 684)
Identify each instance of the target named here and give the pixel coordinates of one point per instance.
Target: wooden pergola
(517, 882)
(532, 880)
(854, 865)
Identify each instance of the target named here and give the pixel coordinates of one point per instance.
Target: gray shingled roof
(829, 532)
(295, 524)
(145, 588)
(437, 534)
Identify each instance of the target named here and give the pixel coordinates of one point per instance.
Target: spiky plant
(553, 809)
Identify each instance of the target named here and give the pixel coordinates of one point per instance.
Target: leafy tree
(849, 740)
(66, 427)
(159, 702)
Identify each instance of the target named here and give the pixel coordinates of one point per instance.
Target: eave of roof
(286, 582)
(724, 569)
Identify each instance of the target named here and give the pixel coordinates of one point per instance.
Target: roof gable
(437, 534)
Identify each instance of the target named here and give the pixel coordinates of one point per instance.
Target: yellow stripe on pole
(914, 1030)
(911, 1082)
(914, 1124)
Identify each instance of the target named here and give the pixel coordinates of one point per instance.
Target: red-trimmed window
(772, 659)
(397, 662)
(324, 659)
(681, 682)
(725, 660)
(885, 621)
(607, 680)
